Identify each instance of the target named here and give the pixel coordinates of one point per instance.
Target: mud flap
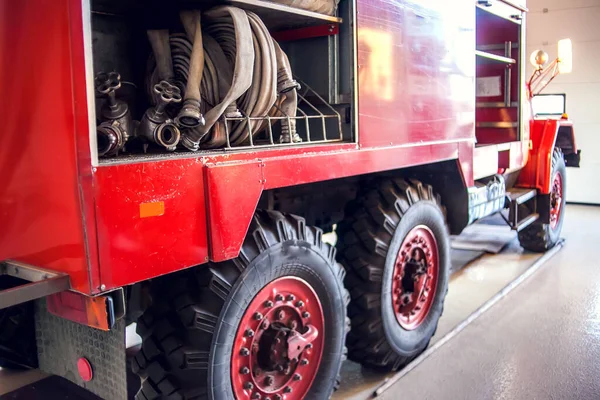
(61, 343)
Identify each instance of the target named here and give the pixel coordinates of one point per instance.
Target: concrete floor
(469, 288)
(541, 342)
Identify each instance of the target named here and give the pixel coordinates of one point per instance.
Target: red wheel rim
(556, 197)
(279, 342)
(415, 277)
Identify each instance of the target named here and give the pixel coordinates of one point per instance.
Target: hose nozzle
(190, 115)
(109, 137)
(167, 135)
(116, 128)
(155, 125)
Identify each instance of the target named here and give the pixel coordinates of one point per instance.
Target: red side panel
(416, 71)
(234, 191)
(151, 219)
(40, 195)
(234, 188)
(537, 171)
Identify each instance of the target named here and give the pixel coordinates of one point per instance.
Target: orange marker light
(153, 209)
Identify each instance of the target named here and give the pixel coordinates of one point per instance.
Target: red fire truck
(175, 164)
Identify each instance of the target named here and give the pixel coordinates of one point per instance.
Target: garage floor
(541, 341)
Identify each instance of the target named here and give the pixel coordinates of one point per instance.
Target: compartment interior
(318, 46)
(498, 78)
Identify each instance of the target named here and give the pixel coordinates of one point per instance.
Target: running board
(526, 222)
(39, 283)
(514, 200)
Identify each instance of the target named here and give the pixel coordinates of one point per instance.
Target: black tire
(539, 237)
(369, 240)
(188, 331)
(17, 333)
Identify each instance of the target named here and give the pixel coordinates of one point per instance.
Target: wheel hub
(279, 342)
(556, 200)
(415, 277)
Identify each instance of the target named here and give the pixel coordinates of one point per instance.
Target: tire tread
(173, 361)
(365, 235)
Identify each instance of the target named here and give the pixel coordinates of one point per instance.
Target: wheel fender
(537, 172)
(234, 190)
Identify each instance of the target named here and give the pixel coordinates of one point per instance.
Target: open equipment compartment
(319, 48)
(499, 72)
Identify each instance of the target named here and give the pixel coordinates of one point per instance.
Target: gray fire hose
(320, 6)
(190, 116)
(243, 67)
(287, 87)
(159, 40)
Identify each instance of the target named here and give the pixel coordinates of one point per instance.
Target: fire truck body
(433, 92)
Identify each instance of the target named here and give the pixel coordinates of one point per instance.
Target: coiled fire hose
(243, 69)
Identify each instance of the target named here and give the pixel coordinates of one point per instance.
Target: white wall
(578, 20)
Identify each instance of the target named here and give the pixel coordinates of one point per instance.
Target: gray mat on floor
(483, 237)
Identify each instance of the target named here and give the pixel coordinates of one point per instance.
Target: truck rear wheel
(269, 324)
(539, 237)
(395, 247)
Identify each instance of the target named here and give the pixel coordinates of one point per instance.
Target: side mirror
(542, 76)
(565, 56)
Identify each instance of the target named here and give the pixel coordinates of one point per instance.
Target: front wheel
(539, 237)
(269, 324)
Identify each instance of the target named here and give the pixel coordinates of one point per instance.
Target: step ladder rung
(530, 219)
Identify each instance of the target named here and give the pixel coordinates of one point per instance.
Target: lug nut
(268, 303)
(244, 351)
(269, 380)
(297, 377)
(279, 368)
(258, 316)
(293, 325)
(256, 396)
(248, 386)
(280, 314)
(279, 297)
(291, 297)
(304, 361)
(244, 370)
(249, 332)
(277, 397)
(309, 346)
(265, 324)
(305, 314)
(287, 389)
(299, 303)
